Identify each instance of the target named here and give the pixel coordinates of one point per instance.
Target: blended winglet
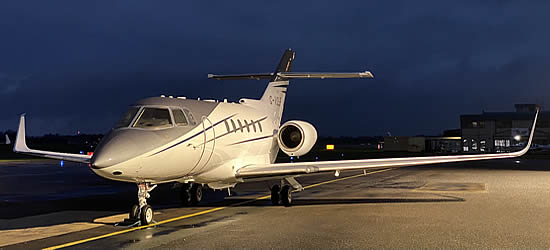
(20, 143)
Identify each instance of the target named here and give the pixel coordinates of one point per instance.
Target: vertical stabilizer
(8, 139)
(275, 93)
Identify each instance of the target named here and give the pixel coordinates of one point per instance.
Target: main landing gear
(191, 194)
(143, 212)
(283, 195)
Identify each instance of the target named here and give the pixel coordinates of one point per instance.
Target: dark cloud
(76, 65)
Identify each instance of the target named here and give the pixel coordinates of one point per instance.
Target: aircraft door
(207, 146)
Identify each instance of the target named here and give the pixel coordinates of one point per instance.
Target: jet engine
(296, 138)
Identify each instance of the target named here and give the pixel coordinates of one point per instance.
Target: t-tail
(274, 95)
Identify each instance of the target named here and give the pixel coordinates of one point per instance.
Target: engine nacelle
(296, 138)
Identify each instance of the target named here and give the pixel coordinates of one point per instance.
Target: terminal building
(503, 131)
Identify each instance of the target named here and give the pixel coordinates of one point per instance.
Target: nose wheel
(142, 213)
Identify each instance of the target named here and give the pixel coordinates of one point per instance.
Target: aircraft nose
(113, 149)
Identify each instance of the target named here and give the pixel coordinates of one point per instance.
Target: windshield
(127, 117)
(153, 118)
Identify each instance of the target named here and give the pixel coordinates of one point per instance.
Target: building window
(474, 124)
(482, 145)
(502, 143)
(465, 147)
(474, 145)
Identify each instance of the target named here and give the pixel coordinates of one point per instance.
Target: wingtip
(20, 144)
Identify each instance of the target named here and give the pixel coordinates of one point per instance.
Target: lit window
(474, 145)
(474, 124)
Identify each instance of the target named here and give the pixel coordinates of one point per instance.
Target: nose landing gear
(142, 213)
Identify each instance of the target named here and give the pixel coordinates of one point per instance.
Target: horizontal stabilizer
(293, 75)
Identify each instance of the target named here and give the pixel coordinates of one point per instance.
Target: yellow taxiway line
(198, 213)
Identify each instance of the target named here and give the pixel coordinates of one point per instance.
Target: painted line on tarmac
(199, 213)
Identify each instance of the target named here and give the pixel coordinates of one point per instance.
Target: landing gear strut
(142, 211)
(191, 194)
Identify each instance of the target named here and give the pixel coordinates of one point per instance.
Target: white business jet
(194, 142)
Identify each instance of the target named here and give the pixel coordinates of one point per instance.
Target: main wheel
(185, 194)
(286, 195)
(146, 215)
(196, 194)
(134, 212)
(275, 197)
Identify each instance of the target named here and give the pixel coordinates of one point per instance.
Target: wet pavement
(490, 204)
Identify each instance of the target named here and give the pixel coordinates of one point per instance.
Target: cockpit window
(179, 117)
(153, 118)
(127, 118)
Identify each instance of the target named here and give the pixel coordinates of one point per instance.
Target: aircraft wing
(21, 147)
(300, 168)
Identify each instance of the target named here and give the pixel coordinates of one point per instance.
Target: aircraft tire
(286, 195)
(146, 215)
(275, 196)
(196, 194)
(134, 212)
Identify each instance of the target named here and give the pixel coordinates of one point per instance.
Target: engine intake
(296, 138)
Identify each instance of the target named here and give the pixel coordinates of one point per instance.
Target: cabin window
(260, 126)
(227, 126)
(234, 127)
(153, 118)
(127, 117)
(179, 117)
(240, 125)
(247, 126)
(253, 125)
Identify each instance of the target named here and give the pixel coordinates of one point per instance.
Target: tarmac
(484, 204)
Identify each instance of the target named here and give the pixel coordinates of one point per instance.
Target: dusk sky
(77, 65)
